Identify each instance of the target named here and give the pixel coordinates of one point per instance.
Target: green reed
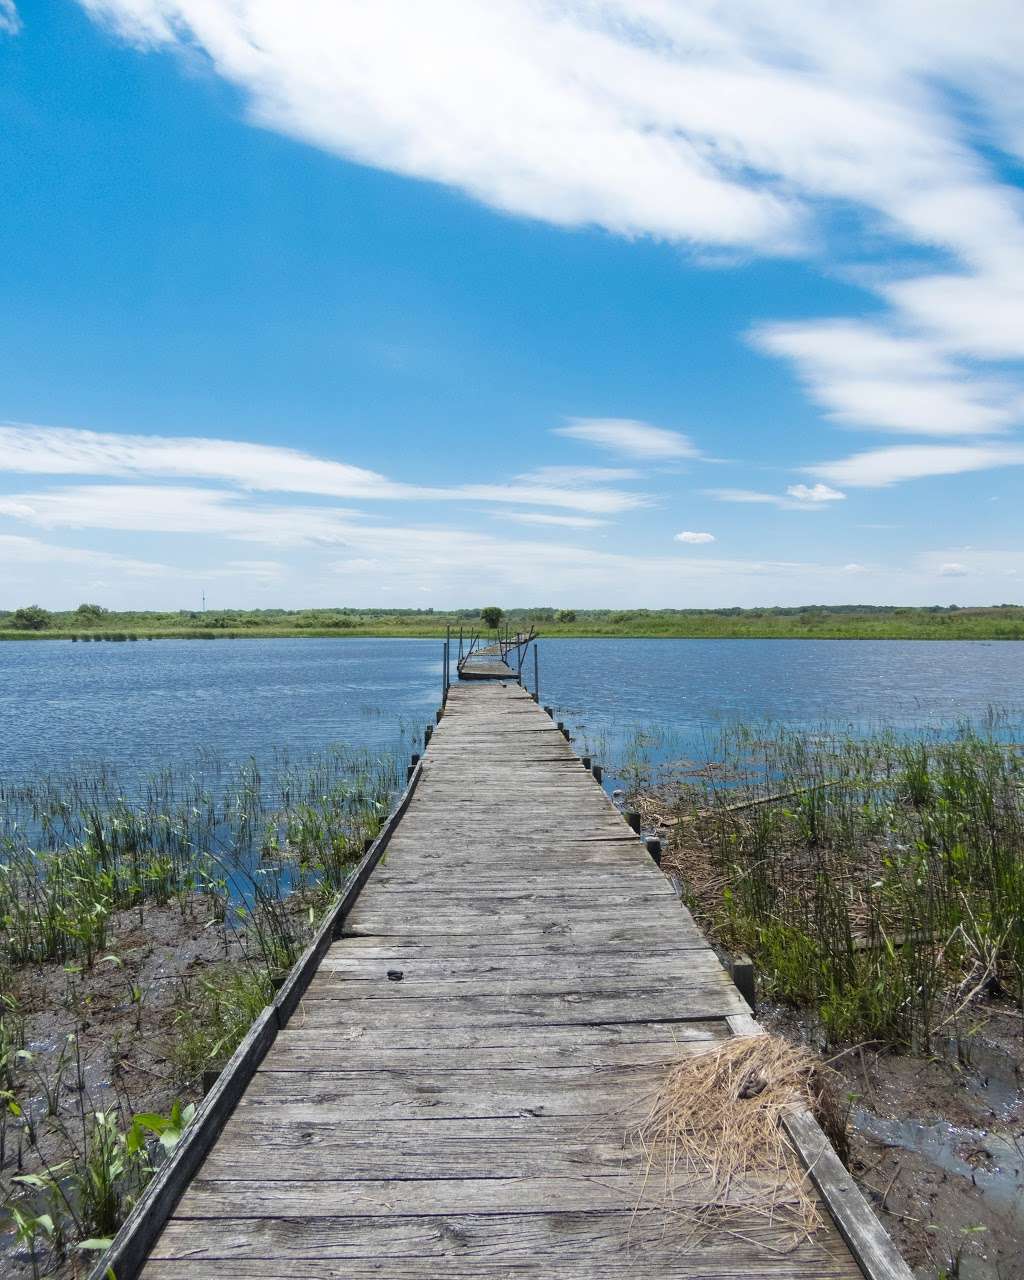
(77, 848)
(878, 881)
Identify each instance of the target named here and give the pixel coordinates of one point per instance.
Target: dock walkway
(451, 1095)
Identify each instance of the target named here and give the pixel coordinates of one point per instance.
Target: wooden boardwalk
(450, 1096)
(485, 666)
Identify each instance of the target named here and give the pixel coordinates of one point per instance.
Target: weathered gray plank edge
(866, 1238)
(868, 1241)
(130, 1247)
(295, 984)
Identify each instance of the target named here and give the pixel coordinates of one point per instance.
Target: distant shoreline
(90, 624)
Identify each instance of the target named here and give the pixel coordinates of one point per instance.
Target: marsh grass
(250, 855)
(76, 848)
(877, 881)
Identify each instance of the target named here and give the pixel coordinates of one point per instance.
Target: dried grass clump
(714, 1134)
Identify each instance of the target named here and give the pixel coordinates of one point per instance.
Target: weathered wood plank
(587, 1266)
(431, 1241)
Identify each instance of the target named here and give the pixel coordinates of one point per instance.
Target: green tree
(31, 617)
(88, 613)
(566, 615)
(491, 617)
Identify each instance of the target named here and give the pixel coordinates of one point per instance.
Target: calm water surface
(142, 706)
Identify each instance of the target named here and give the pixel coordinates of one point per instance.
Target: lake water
(143, 706)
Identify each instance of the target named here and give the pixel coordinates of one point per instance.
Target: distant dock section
(502, 660)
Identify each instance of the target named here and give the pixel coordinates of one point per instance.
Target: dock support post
(536, 674)
(633, 819)
(654, 849)
(741, 970)
(585, 761)
(428, 733)
(597, 771)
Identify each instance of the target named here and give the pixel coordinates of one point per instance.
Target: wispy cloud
(10, 23)
(18, 551)
(737, 127)
(798, 497)
(61, 451)
(541, 517)
(694, 539)
(952, 569)
(630, 438)
(864, 376)
(878, 468)
(814, 493)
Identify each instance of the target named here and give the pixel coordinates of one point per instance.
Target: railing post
(536, 675)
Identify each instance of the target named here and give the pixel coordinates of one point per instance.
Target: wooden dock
(485, 666)
(450, 1095)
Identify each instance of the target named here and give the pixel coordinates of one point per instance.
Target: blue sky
(611, 302)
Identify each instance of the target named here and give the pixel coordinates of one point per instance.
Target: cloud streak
(798, 497)
(631, 439)
(10, 23)
(879, 468)
(60, 451)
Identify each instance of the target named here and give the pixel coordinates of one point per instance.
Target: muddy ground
(123, 1020)
(937, 1142)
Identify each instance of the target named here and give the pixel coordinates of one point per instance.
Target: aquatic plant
(253, 852)
(77, 848)
(878, 881)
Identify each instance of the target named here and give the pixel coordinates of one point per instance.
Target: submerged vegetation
(876, 882)
(142, 929)
(91, 622)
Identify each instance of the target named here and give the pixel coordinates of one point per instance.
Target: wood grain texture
(455, 1086)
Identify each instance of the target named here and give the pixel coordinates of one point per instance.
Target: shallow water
(144, 706)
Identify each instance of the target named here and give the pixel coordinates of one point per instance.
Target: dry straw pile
(716, 1152)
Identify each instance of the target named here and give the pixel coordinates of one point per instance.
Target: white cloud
(10, 23)
(446, 567)
(814, 493)
(953, 570)
(540, 517)
(878, 468)
(692, 121)
(854, 568)
(16, 551)
(61, 451)
(695, 539)
(864, 375)
(798, 497)
(631, 438)
(178, 509)
(728, 127)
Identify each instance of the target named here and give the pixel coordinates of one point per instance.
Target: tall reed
(879, 881)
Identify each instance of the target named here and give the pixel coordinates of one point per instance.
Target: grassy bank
(141, 931)
(1003, 622)
(877, 883)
